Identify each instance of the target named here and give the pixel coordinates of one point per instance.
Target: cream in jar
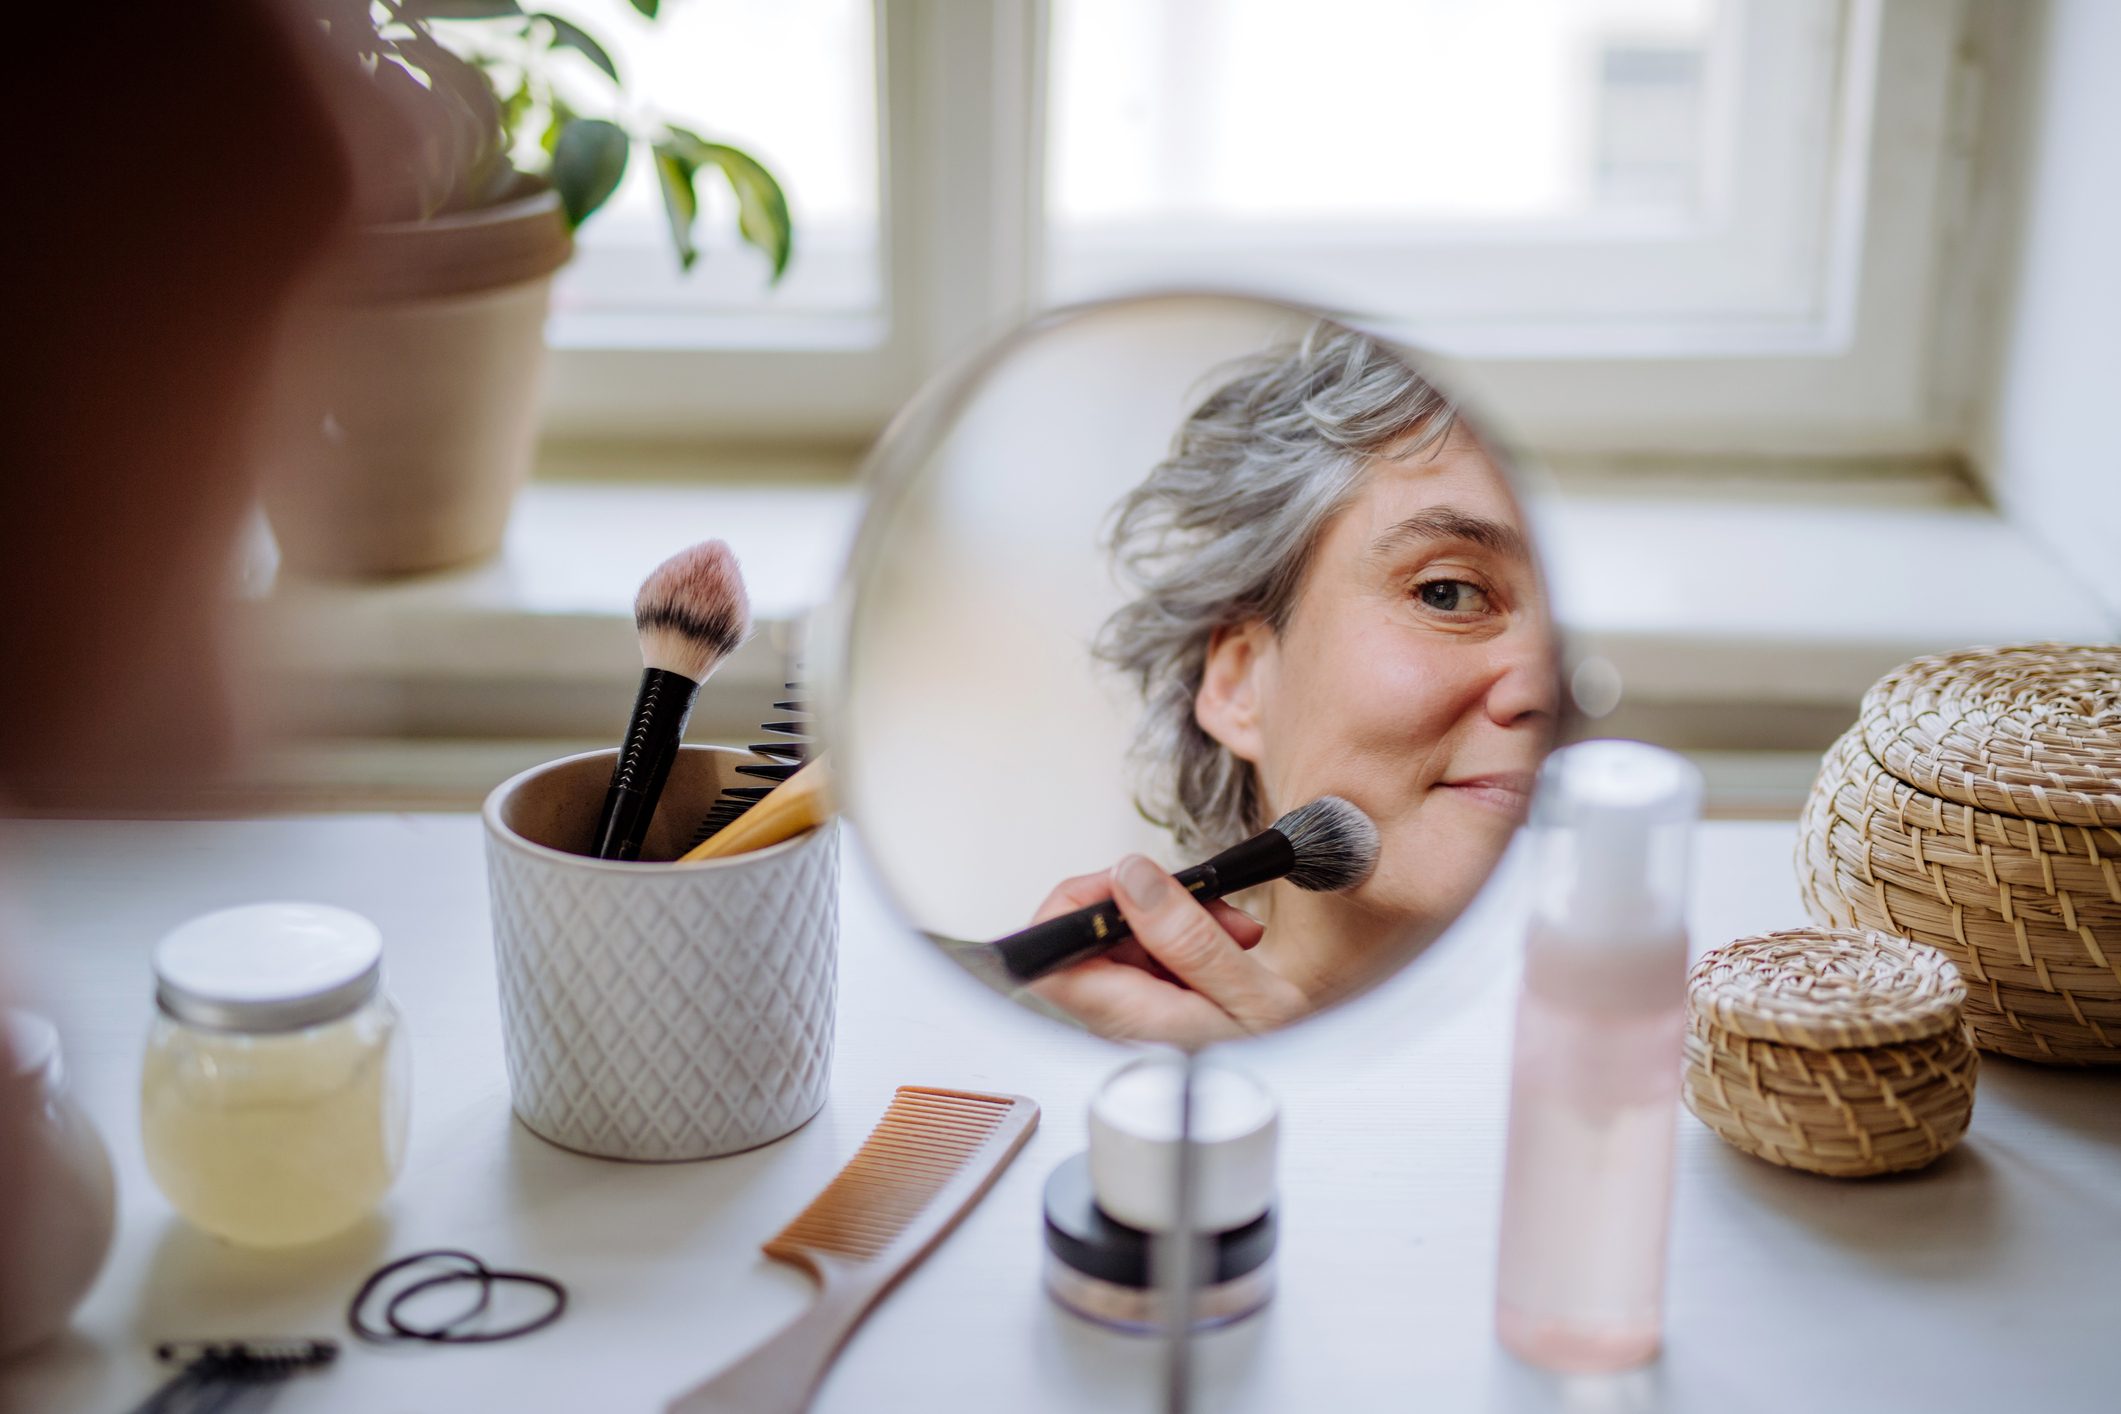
(273, 1098)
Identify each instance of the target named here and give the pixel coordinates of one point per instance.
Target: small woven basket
(1839, 1053)
(1976, 807)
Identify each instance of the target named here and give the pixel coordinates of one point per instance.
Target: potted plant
(405, 420)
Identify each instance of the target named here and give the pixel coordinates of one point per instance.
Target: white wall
(2050, 443)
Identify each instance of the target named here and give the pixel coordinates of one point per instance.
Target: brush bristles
(926, 1139)
(1336, 844)
(692, 612)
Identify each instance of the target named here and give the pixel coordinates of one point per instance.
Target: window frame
(960, 132)
(1590, 284)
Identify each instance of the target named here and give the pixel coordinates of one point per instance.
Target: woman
(1334, 595)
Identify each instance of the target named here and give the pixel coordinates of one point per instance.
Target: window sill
(1742, 620)
(1736, 612)
(1742, 617)
(539, 642)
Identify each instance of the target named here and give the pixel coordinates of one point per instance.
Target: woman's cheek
(1429, 872)
(1416, 690)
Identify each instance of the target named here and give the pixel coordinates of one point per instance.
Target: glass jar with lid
(274, 1094)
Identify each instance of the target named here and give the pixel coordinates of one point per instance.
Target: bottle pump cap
(1613, 821)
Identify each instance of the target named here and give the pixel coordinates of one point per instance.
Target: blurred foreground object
(130, 428)
(68, 1202)
(147, 334)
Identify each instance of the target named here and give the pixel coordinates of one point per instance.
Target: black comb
(783, 759)
(219, 1375)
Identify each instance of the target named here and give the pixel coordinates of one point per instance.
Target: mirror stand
(1180, 1254)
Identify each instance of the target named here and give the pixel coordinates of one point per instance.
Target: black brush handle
(1062, 942)
(660, 710)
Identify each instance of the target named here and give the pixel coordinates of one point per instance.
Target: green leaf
(514, 109)
(646, 7)
(762, 208)
(556, 122)
(587, 162)
(567, 35)
(681, 203)
(458, 9)
(427, 158)
(464, 124)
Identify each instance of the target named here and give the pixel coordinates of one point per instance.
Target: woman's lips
(1508, 791)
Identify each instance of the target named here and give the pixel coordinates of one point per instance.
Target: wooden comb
(929, 1159)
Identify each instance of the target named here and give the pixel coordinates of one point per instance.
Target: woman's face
(1415, 677)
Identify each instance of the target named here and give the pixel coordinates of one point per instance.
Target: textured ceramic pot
(653, 1010)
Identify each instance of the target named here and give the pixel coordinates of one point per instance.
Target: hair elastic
(446, 1333)
(449, 1332)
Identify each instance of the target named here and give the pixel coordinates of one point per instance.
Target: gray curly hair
(1222, 531)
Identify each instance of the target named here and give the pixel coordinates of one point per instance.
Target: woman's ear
(1227, 706)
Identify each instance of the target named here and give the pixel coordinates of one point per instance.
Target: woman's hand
(1187, 976)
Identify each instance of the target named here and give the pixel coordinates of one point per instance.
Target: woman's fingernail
(1141, 881)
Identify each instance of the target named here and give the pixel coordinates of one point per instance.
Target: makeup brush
(1325, 846)
(691, 613)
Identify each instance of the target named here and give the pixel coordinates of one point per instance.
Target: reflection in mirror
(1159, 575)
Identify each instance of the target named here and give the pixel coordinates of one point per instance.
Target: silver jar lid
(268, 967)
(1134, 1145)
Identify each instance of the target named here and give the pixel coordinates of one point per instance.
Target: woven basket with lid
(1976, 807)
(1841, 1053)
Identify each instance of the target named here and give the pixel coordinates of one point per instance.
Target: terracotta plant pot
(405, 415)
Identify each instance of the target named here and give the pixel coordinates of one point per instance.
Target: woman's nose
(1527, 685)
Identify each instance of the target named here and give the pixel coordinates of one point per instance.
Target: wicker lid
(1823, 989)
(2032, 731)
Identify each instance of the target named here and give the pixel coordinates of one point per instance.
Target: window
(1636, 225)
(1561, 164)
(793, 83)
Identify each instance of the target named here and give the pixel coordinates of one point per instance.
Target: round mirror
(1191, 579)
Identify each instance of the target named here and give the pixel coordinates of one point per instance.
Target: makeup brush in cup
(1326, 846)
(691, 613)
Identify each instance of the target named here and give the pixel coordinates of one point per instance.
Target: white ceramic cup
(653, 1010)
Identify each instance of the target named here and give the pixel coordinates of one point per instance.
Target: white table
(1990, 1282)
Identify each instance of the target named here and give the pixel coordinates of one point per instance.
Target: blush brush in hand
(1326, 846)
(691, 613)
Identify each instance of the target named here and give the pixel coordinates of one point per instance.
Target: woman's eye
(1452, 596)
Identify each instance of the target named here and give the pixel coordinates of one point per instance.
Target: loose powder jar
(1101, 1269)
(274, 1094)
(1106, 1210)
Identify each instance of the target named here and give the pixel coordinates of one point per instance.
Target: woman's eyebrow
(1450, 523)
